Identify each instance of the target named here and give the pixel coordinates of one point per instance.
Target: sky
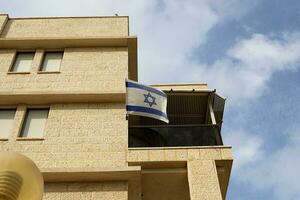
(249, 50)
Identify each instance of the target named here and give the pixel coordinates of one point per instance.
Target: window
(34, 123)
(22, 62)
(51, 61)
(6, 121)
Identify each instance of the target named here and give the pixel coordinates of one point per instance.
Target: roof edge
(64, 17)
(179, 84)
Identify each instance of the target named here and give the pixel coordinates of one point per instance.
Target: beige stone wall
(79, 136)
(76, 136)
(201, 166)
(203, 180)
(66, 27)
(86, 191)
(179, 154)
(101, 70)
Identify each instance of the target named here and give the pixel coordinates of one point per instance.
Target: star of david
(149, 99)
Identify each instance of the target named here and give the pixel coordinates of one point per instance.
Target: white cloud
(264, 55)
(278, 172)
(247, 148)
(244, 72)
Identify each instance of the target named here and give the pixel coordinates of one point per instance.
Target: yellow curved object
(20, 179)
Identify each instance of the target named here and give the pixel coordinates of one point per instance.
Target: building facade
(62, 104)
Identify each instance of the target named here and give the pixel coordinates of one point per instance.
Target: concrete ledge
(65, 42)
(59, 97)
(159, 164)
(90, 174)
(158, 154)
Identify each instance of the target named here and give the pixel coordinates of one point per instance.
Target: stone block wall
(179, 154)
(75, 136)
(203, 180)
(66, 27)
(101, 70)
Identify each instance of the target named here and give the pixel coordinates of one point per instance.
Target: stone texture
(76, 135)
(211, 153)
(66, 27)
(203, 180)
(101, 70)
(86, 191)
(193, 154)
(227, 154)
(179, 154)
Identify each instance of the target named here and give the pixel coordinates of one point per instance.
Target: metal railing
(174, 135)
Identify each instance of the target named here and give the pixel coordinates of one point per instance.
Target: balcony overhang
(182, 87)
(216, 100)
(129, 42)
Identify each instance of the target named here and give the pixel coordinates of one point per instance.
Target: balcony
(174, 136)
(195, 120)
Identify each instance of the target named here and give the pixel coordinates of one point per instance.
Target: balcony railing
(174, 135)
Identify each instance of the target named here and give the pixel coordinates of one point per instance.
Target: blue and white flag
(146, 101)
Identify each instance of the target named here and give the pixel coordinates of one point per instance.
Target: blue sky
(248, 50)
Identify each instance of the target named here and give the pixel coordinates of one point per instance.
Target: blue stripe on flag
(146, 110)
(143, 87)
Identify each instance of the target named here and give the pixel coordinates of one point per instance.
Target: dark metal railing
(174, 135)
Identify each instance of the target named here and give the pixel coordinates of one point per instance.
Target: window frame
(14, 60)
(15, 112)
(41, 66)
(23, 124)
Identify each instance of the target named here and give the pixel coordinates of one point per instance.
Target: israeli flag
(146, 101)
